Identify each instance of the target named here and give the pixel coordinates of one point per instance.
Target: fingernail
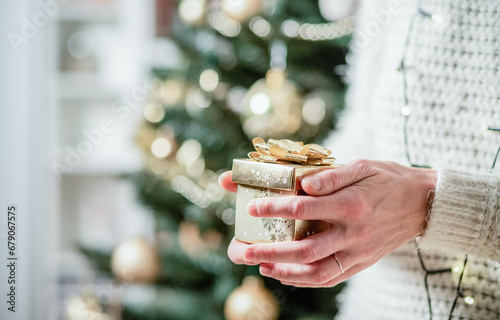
(313, 182)
(265, 271)
(252, 208)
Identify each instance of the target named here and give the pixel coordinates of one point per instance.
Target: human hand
(372, 208)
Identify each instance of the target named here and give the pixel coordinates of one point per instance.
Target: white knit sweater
(454, 91)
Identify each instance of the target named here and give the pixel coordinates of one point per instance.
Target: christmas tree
(250, 68)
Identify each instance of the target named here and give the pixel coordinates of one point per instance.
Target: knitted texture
(453, 76)
(464, 214)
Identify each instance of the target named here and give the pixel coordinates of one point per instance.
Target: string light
(197, 99)
(161, 147)
(259, 103)
(224, 24)
(290, 28)
(154, 112)
(498, 151)
(437, 18)
(230, 27)
(469, 300)
(241, 10)
(228, 216)
(314, 111)
(314, 32)
(260, 27)
(405, 111)
(209, 80)
(189, 152)
(191, 191)
(170, 91)
(192, 11)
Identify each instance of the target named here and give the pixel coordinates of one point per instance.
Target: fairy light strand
(406, 112)
(291, 29)
(498, 151)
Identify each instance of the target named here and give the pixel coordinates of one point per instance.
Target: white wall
(33, 106)
(25, 178)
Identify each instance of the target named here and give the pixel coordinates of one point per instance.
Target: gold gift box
(260, 179)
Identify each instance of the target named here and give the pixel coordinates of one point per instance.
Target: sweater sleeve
(465, 214)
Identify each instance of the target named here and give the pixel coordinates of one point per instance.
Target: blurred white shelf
(105, 168)
(89, 171)
(102, 163)
(89, 12)
(83, 86)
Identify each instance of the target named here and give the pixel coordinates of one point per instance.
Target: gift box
(275, 170)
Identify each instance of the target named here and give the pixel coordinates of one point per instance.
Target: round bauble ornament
(135, 260)
(251, 301)
(337, 10)
(272, 107)
(80, 308)
(145, 136)
(194, 244)
(193, 12)
(241, 10)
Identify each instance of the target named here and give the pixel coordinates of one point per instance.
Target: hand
(372, 208)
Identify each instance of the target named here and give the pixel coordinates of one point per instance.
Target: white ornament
(336, 10)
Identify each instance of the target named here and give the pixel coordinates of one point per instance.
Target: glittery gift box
(258, 180)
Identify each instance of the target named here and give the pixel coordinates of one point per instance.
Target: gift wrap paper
(258, 180)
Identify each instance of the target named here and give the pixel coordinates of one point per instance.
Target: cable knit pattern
(453, 78)
(464, 214)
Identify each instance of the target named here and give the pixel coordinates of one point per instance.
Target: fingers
(236, 251)
(341, 278)
(291, 207)
(333, 282)
(318, 273)
(329, 181)
(308, 250)
(226, 182)
(333, 208)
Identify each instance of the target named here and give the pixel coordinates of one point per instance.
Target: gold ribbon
(288, 151)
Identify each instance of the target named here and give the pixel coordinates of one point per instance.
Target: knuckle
(308, 254)
(362, 166)
(333, 179)
(355, 207)
(322, 276)
(265, 207)
(267, 254)
(364, 236)
(368, 254)
(297, 208)
(283, 273)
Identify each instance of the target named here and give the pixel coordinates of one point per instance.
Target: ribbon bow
(284, 151)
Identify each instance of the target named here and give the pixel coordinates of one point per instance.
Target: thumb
(329, 181)
(226, 183)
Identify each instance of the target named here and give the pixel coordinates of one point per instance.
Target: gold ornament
(135, 260)
(79, 308)
(194, 243)
(145, 136)
(251, 301)
(241, 10)
(164, 145)
(272, 107)
(169, 92)
(154, 112)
